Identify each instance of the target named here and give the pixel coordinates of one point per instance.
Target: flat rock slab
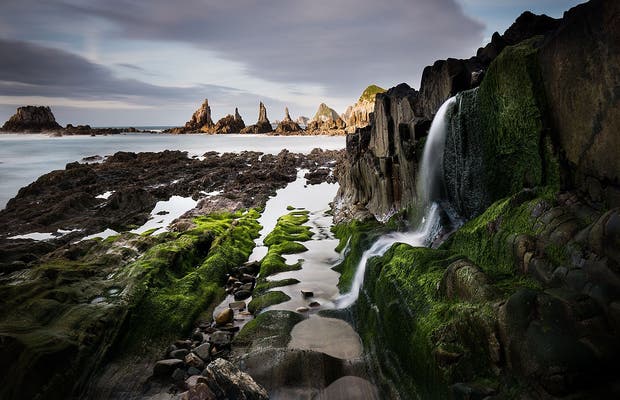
(350, 387)
(326, 335)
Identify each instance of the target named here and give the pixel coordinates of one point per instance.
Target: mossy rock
(268, 329)
(266, 300)
(421, 340)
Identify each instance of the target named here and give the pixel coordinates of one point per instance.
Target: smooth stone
(307, 293)
(225, 316)
(246, 278)
(247, 286)
(191, 371)
(314, 304)
(165, 367)
(242, 295)
(178, 375)
(203, 351)
(237, 305)
(180, 353)
(326, 335)
(220, 339)
(350, 387)
(195, 379)
(302, 309)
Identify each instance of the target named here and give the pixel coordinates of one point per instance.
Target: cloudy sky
(130, 62)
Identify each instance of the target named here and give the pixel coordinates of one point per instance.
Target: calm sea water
(23, 158)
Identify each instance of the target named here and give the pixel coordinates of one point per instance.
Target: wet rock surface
(68, 199)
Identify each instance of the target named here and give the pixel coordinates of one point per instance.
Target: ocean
(25, 157)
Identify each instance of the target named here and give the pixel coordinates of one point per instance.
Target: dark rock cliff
(536, 103)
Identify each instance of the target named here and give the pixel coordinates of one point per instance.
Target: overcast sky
(127, 62)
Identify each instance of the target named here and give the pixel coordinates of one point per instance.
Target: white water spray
(430, 181)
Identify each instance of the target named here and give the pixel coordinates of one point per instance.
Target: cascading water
(430, 182)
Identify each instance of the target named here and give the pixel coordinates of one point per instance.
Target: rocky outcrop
(32, 119)
(358, 115)
(228, 124)
(580, 64)
(493, 150)
(262, 125)
(326, 121)
(287, 125)
(522, 299)
(200, 122)
(445, 78)
(301, 120)
(380, 169)
(107, 307)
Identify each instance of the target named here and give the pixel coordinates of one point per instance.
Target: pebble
(237, 305)
(302, 309)
(204, 351)
(178, 375)
(192, 360)
(165, 367)
(307, 293)
(314, 304)
(224, 317)
(242, 295)
(180, 353)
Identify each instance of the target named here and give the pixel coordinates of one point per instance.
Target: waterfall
(430, 186)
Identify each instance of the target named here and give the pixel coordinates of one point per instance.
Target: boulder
(31, 119)
(165, 368)
(228, 382)
(224, 317)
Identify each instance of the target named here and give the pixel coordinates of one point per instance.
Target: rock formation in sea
(287, 125)
(301, 120)
(228, 124)
(326, 121)
(32, 119)
(358, 115)
(528, 195)
(262, 125)
(200, 122)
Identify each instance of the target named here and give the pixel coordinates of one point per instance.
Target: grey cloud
(32, 70)
(342, 45)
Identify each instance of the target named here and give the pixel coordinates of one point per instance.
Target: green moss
(268, 299)
(266, 285)
(512, 107)
(284, 238)
(149, 232)
(271, 328)
(409, 325)
(290, 208)
(370, 92)
(184, 277)
(355, 237)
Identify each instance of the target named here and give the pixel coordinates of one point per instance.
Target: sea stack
(262, 125)
(200, 122)
(31, 119)
(229, 124)
(326, 121)
(287, 125)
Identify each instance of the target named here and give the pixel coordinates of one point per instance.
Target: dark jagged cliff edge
(522, 299)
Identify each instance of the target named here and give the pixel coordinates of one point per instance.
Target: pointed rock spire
(287, 116)
(262, 113)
